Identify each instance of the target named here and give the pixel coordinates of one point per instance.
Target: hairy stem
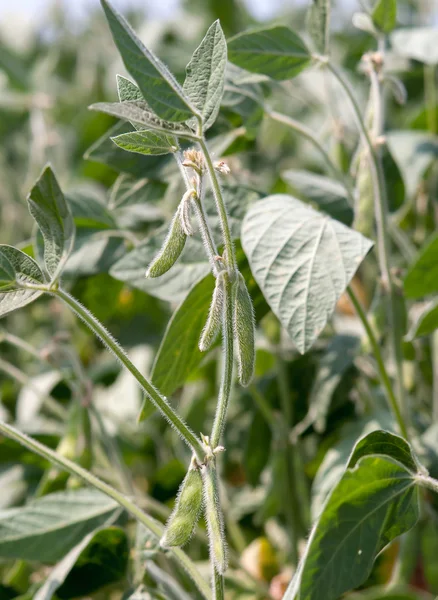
(312, 137)
(383, 374)
(218, 585)
(381, 214)
(153, 394)
(67, 465)
(220, 206)
(227, 369)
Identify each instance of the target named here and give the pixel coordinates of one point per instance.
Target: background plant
(347, 428)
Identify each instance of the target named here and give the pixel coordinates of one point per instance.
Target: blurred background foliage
(57, 383)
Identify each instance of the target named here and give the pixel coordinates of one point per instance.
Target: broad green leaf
(386, 444)
(384, 15)
(205, 74)
(47, 528)
(25, 270)
(105, 151)
(49, 209)
(158, 86)
(422, 276)
(418, 43)
(372, 504)
(7, 272)
(140, 113)
(327, 194)
(318, 24)
(425, 323)
(89, 210)
(175, 361)
(302, 261)
(413, 151)
(173, 285)
(145, 142)
(274, 51)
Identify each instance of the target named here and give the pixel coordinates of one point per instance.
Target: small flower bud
(222, 167)
(244, 331)
(171, 249)
(185, 515)
(214, 320)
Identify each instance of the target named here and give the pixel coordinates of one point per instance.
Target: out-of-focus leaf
(145, 142)
(47, 528)
(48, 207)
(204, 83)
(318, 24)
(158, 86)
(175, 361)
(372, 504)
(413, 151)
(384, 15)
(425, 323)
(327, 194)
(102, 561)
(290, 248)
(418, 43)
(173, 285)
(257, 449)
(25, 270)
(274, 51)
(422, 276)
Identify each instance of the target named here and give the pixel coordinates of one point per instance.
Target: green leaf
(422, 276)
(128, 91)
(384, 15)
(25, 271)
(158, 86)
(175, 361)
(418, 43)
(205, 74)
(102, 562)
(371, 505)
(327, 194)
(413, 152)
(318, 24)
(145, 142)
(7, 272)
(49, 209)
(140, 113)
(386, 444)
(47, 528)
(302, 261)
(425, 323)
(274, 51)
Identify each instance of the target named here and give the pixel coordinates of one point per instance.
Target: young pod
(185, 515)
(186, 212)
(244, 331)
(214, 518)
(171, 249)
(214, 321)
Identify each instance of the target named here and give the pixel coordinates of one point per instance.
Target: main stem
(381, 206)
(153, 394)
(67, 465)
(383, 374)
(227, 366)
(220, 206)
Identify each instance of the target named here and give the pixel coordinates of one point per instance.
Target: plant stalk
(67, 465)
(218, 585)
(153, 394)
(383, 374)
(382, 221)
(220, 206)
(227, 367)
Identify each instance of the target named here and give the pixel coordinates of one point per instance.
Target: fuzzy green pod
(214, 518)
(364, 209)
(214, 321)
(185, 515)
(171, 249)
(244, 331)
